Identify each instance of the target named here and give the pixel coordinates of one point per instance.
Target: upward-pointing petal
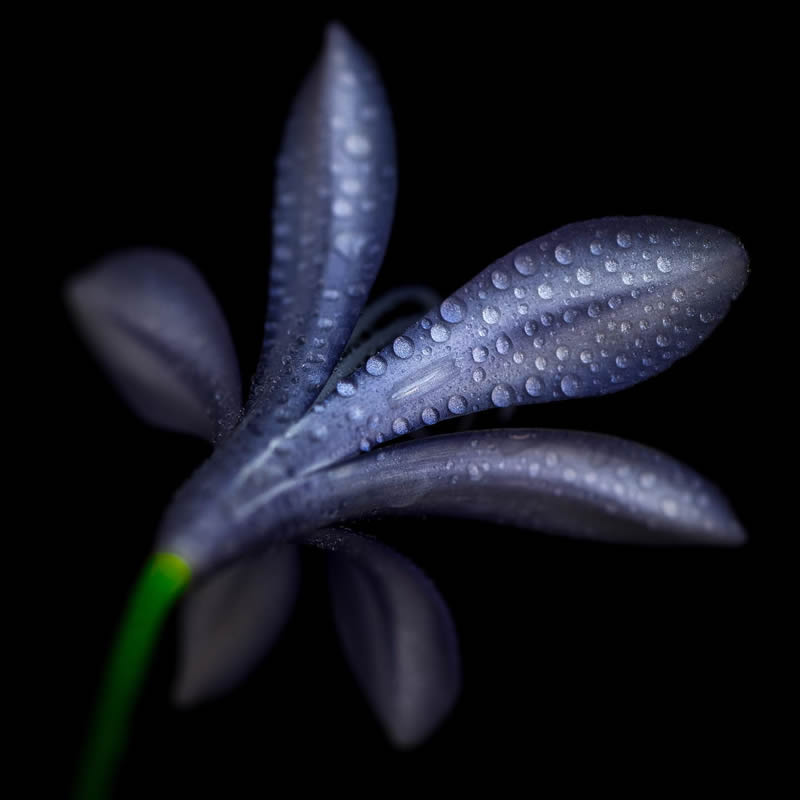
(159, 333)
(334, 202)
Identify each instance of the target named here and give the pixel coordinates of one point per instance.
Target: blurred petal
(397, 634)
(584, 485)
(159, 333)
(334, 202)
(230, 621)
(590, 309)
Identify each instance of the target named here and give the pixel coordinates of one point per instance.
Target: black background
(579, 660)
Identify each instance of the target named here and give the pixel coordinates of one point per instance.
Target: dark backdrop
(579, 659)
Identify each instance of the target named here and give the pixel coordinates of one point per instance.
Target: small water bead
(706, 316)
(662, 340)
(365, 445)
(534, 386)
(478, 375)
(539, 342)
(457, 404)
(586, 356)
(545, 291)
(562, 353)
(430, 416)
(614, 302)
(612, 265)
(670, 508)
(541, 363)
(646, 255)
(636, 293)
(502, 395)
(624, 239)
(530, 328)
(482, 294)
(547, 319)
(403, 347)
(534, 469)
(346, 387)
(621, 361)
(503, 344)
(357, 145)
(440, 333)
(522, 308)
(524, 264)
(427, 350)
(570, 385)
(500, 279)
(519, 293)
(594, 310)
(425, 324)
(563, 254)
(570, 315)
(518, 357)
(342, 208)
(400, 426)
(585, 276)
(376, 365)
(479, 354)
(627, 278)
(664, 264)
(483, 331)
(452, 310)
(595, 248)
(490, 315)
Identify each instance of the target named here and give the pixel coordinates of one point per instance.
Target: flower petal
(159, 333)
(334, 203)
(590, 309)
(231, 619)
(584, 485)
(397, 634)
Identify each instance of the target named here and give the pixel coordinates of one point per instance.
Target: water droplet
(534, 469)
(541, 363)
(346, 387)
(474, 472)
(546, 319)
(457, 404)
(614, 302)
(376, 365)
(624, 239)
(342, 208)
(478, 375)
(562, 353)
(518, 357)
(706, 316)
(612, 265)
(664, 264)
(522, 308)
(503, 344)
(365, 445)
(563, 254)
(403, 347)
(502, 395)
(357, 145)
(452, 310)
(570, 385)
(586, 356)
(594, 310)
(440, 333)
(530, 328)
(570, 315)
(679, 295)
(595, 248)
(584, 276)
(479, 354)
(524, 264)
(519, 293)
(425, 324)
(430, 416)
(500, 279)
(662, 340)
(545, 291)
(670, 508)
(490, 315)
(621, 361)
(400, 426)
(627, 278)
(534, 386)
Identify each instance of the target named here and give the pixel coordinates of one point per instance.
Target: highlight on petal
(396, 632)
(334, 203)
(156, 328)
(231, 620)
(589, 309)
(584, 485)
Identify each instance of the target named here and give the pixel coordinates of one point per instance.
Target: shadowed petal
(397, 634)
(334, 203)
(159, 333)
(590, 309)
(231, 619)
(577, 484)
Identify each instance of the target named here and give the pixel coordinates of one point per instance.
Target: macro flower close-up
(380, 404)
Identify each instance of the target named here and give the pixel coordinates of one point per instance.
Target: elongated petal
(159, 333)
(397, 634)
(231, 620)
(590, 309)
(334, 203)
(576, 484)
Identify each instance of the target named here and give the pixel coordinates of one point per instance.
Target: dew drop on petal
(502, 395)
(376, 365)
(457, 404)
(400, 426)
(403, 347)
(430, 416)
(452, 310)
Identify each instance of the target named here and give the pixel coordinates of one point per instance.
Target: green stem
(163, 579)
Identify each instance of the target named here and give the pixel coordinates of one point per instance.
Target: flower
(590, 309)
